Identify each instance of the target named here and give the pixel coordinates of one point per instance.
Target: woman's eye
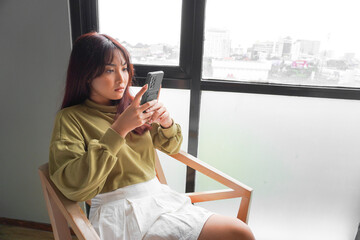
(110, 70)
(125, 69)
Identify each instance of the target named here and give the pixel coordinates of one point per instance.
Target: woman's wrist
(168, 124)
(122, 132)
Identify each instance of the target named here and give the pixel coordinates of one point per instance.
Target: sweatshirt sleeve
(80, 171)
(167, 140)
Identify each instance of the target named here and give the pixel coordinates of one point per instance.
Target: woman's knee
(240, 230)
(224, 227)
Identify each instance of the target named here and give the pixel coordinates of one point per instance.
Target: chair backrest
(159, 171)
(64, 212)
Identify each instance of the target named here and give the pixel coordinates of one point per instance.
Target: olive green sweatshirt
(87, 157)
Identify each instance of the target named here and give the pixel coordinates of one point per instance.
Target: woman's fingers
(138, 96)
(159, 93)
(149, 105)
(164, 115)
(148, 112)
(158, 114)
(155, 107)
(147, 116)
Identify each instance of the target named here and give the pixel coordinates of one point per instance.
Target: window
(294, 43)
(317, 45)
(150, 34)
(238, 27)
(221, 32)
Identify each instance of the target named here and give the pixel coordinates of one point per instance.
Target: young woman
(102, 148)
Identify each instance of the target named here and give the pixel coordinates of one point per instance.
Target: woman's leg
(224, 227)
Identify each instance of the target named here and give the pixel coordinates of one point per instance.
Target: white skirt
(148, 210)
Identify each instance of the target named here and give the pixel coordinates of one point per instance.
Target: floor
(8, 232)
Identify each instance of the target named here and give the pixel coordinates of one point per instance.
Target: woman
(102, 149)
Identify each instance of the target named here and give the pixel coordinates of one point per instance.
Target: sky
(333, 23)
(141, 21)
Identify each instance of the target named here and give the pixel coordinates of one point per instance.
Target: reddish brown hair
(90, 53)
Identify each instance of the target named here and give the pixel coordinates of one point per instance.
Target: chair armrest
(212, 172)
(213, 195)
(237, 189)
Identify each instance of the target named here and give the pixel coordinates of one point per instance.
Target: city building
(305, 48)
(217, 43)
(265, 48)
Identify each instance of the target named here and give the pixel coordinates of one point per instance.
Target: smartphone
(153, 79)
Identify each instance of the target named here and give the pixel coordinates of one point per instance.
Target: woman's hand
(134, 115)
(160, 115)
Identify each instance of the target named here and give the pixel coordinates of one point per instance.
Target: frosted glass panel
(300, 155)
(175, 172)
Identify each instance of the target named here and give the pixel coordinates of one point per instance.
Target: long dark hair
(90, 53)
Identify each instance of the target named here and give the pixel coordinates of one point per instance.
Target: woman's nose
(119, 77)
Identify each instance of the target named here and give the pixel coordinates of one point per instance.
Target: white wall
(34, 50)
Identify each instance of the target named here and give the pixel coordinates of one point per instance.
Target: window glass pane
(294, 152)
(302, 43)
(150, 30)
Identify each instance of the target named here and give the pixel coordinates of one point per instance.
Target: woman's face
(111, 84)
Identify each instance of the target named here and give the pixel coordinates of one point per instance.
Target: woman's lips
(119, 89)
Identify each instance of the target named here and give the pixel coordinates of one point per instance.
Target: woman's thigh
(224, 227)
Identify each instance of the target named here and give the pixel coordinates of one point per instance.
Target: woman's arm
(167, 140)
(80, 171)
(165, 133)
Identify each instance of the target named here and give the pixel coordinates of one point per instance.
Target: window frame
(188, 75)
(84, 18)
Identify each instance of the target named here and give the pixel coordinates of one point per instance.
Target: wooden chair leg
(59, 224)
(244, 209)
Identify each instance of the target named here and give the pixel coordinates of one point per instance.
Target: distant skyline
(333, 23)
(330, 22)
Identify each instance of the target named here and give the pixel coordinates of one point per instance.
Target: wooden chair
(64, 212)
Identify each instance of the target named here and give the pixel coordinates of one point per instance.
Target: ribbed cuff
(112, 140)
(169, 132)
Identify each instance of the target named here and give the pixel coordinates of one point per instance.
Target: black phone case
(153, 79)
